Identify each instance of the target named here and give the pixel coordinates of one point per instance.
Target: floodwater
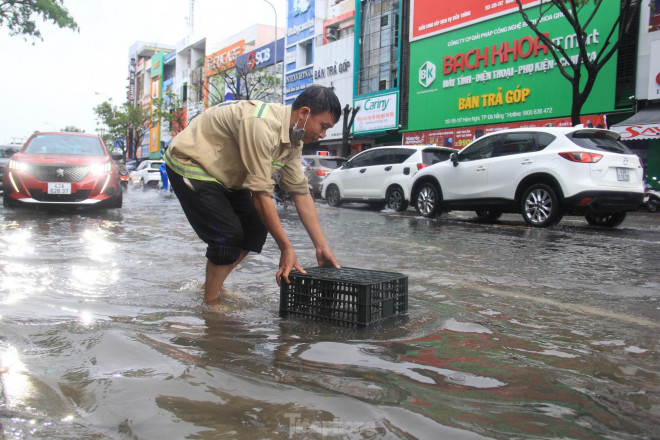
(512, 333)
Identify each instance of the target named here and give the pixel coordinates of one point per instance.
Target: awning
(645, 124)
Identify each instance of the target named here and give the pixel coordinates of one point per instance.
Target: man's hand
(288, 261)
(325, 257)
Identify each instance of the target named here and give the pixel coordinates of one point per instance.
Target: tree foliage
(127, 125)
(242, 82)
(73, 129)
(574, 67)
(20, 16)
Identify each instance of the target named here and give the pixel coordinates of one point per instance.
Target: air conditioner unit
(331, 34)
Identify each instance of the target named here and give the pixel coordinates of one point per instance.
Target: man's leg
(216, 276)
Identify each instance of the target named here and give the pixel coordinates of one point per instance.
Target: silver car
(317, 167)
(6, 151)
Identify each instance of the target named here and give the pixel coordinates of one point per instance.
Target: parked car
(147, 174)
(541, 173)
(6, 151)
(62, 169)
(317, 167)
(381, 175)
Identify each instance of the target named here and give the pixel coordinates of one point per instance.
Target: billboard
(300, 23)
(431, 17)
(499, 71)
(377, 113)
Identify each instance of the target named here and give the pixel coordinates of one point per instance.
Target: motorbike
(123, 178)
(651, 195)
(281, 197)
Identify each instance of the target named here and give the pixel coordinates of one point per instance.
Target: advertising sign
(499, 71)
(431, 17)
(223, 59)
(157, 64)
(462, 137)
(300, 24)
(654, 71)
(377, 113)
(263, 56)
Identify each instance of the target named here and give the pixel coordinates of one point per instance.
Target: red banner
(430, 17)
(461, 137)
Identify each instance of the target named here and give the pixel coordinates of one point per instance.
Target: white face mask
(297, 134)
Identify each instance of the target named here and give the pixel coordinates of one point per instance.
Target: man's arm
(263, 202)
(310, 219)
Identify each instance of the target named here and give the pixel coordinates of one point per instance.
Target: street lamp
(275, 50)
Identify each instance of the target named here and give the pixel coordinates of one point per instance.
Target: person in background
(221, 166)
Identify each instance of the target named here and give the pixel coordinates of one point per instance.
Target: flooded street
(512, 332)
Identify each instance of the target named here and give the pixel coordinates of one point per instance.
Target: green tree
(127, 124)
(20, 16)
(581, 70)
(242, 82)
(169, 110)
(73, 129)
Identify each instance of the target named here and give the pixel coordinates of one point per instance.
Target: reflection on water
(512, 332)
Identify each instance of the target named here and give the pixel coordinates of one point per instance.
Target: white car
(381, 175)
(541, 173)
(147, 174)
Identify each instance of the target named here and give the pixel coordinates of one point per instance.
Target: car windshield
(600, 141)
(6, 152)
(332, 163)
(65, 144)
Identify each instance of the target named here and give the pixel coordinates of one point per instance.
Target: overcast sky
(58, 81)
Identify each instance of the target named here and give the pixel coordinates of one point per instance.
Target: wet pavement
(512, 332)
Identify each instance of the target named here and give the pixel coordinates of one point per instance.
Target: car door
(511, 160)
(378, 173)
(468, 179)
(353, 176)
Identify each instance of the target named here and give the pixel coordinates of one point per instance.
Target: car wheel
(119, 200)
(7, 201)
(489, 215)
(332, 196)
(540, 206)
(396, 200)
(606, 220)
(651, 206)
(427, 200)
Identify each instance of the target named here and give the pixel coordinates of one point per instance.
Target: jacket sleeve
(256, 141)
(293, 178)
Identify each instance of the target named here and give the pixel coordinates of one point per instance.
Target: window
(363, 159)
(515, 143)
(380, 41)
(401, 154)
(480, 149)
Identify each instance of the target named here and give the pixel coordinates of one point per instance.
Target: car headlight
(100, 168)
(18, 166)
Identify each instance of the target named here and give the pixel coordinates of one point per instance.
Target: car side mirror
(454, 159)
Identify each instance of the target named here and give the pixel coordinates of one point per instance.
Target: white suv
(541, 173)
(381, 175)
(147, 174)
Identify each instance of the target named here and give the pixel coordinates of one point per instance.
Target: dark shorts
(226, 220)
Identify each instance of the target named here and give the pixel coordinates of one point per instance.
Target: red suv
(62, 169)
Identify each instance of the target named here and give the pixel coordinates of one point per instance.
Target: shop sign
(461, 137)
(223, 59)
(500, 71)
(377, 113)
(300, 23)
(431, 17)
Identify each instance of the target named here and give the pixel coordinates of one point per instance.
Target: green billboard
(499, 71)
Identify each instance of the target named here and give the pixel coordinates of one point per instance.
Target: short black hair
(319, 99)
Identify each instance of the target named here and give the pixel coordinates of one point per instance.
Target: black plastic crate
(347, 295)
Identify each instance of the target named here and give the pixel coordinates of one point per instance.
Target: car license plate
(59, 188)
(622, 174)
